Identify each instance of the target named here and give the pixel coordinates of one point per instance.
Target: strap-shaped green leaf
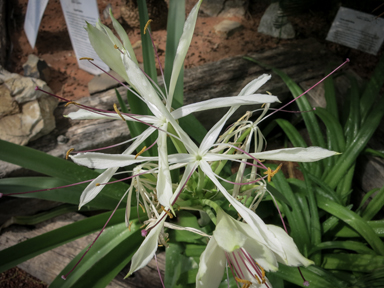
(358, 247)
(32, 247)
(55, 167)
(110, 253)
(346, 160)
(352, 262)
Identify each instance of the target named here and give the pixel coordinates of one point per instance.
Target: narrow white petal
(297, 154)
(104, 48)
(190, 168)
(211, 266)
(227, 234)
(102, 161)
(182, 48)
(123, 36)
(221, 102)
(143, 86)
(82, 114)
(292, 255)
(254, 85)
(91, 191)
(128, 206)
(164, 181)
(109, 33)
(249, 216)
(147, 249)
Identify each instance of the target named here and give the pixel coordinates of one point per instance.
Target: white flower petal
(182, 48)
(104, 48)
(227, 234)
(123, 36)
(297, 154)
(82, 114)
(147, 249)
(91, 191)
(221, 102)
(254, 85)
(292, 255)
(164, 181)
(142, 85)
(211, 266)
(102, 161)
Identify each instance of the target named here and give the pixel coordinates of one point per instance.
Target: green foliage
(320, 215)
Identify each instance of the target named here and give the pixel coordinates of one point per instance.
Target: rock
(225, 8)
(25, 114)
(104, 82)
(227, 28)
(274, 24)
(36, 68)
(8, 104)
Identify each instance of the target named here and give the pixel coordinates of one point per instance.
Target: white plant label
(35, 11)
(76, 12)
(357, 30)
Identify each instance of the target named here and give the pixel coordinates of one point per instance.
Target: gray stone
(26, 113)
(225, 8)
(37, 68)
(227, 28)
(8, 104)
(274, 24)
(104, 82)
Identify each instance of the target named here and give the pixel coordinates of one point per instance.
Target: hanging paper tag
(76, 13)
(35, 11)
(357, 30)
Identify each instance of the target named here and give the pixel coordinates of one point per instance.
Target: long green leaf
(32, 247)
(346, 160)
(353, 220)
(358, 247)
(352, 124)
(330, 94)
(374, 206)
(69, 195)
(147, 46)
(175, 25)
(52, 166)
(352, 262)
(113, 249)
(372, 89)
(347, 232)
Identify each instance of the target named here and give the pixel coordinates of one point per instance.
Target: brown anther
(271, 173)
(167, 211)
(68, 152)
(97, 184)
(115, 46)
(117, 111)
(142, 207)
(262, 274)
(71, 102)
(246, 283)
(141, 152)
(86, 58)
(143, 226)
(146, 25)
(129, 226)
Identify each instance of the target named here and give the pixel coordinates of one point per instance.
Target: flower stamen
(246, 283)
(271, 173)
(71, 102)
(146, 25)
(141, 152)
(117, 111)
(68, 152)
(167, 211)
(142, 207)
(86, 58)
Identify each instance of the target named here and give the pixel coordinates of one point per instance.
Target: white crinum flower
(246, 252)
(103, 40)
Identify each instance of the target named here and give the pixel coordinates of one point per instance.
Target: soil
(54, 46)
(67, 80)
